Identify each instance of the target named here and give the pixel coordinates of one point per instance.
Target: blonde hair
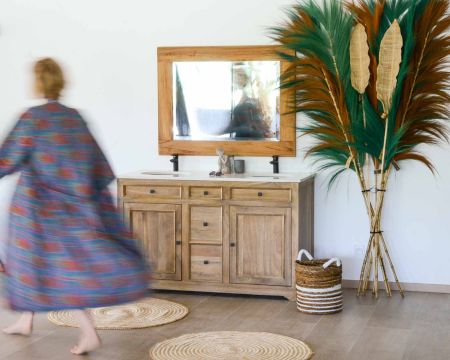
(49, 78)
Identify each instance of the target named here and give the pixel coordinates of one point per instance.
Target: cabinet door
(158, 228)
(260, 245)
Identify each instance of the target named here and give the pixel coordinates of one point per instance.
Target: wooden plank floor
(417, 327)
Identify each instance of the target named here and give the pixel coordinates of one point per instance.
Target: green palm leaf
(320, 77)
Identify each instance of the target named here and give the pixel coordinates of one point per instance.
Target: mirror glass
(226, 100)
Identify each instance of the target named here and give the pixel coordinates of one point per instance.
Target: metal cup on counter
(239, 166)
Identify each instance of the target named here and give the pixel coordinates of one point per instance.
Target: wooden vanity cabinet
(221, 236)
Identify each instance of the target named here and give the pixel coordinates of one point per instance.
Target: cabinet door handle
(206, 262)
(178, 242)
(232, 244)
(205, 193)
(260, 194)
(152, 191)
(205, 224)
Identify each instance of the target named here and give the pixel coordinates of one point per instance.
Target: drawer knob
(260, 194)
(206, 262)
(205, 193)
(232, 244)
(178, 242)
(152, 191)
(205, 224)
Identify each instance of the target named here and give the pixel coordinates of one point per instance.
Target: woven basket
(319, 285)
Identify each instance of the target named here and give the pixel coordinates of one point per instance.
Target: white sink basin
(165, 173)
(274, 176)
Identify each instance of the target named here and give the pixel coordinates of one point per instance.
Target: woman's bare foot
(86, 344)
(89, 339)
(23, 326)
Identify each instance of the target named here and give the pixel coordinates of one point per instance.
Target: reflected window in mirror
(226, 100)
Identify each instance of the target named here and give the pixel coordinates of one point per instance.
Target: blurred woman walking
(67, 246)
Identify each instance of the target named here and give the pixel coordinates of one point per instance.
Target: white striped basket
(319, 288)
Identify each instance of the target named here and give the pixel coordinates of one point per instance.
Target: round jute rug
(231, 345)
(137, 315)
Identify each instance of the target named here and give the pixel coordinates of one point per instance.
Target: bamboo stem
(375, 280)
(383, 152)
(422, 53)
(392, 266)
(386, 279)
(369, 272)
(366, 173)
(381, 190)
(363, 268)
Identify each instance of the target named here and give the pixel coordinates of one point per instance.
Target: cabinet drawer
(206, 224)
(261, 194)
(197, 192)
(206, 263)
(157, 191)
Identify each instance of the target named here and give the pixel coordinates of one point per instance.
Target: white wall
(108, 48)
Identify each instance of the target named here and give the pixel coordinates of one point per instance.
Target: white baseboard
(431, 288)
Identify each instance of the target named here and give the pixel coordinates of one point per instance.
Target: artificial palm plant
(372, 77)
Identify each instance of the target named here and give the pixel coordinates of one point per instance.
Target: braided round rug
(137, 315)
(231, 345)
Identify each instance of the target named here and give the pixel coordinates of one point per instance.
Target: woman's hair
(49, 78)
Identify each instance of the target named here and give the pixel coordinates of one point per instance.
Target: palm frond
(369, 136)
(412, 155)
(389, 61)
(369, 14)
(401, 11)
(424, 102)
(319, 76)
(359, 59)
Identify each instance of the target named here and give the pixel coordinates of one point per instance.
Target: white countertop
(204, 176)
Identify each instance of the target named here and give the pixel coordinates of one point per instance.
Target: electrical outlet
(358, 249)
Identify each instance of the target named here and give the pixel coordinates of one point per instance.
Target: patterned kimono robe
(67, 248)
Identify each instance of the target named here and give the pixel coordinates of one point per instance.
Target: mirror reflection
(215, 100)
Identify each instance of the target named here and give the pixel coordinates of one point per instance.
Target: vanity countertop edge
(204, 176)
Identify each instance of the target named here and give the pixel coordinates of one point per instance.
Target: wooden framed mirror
(223, 97)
